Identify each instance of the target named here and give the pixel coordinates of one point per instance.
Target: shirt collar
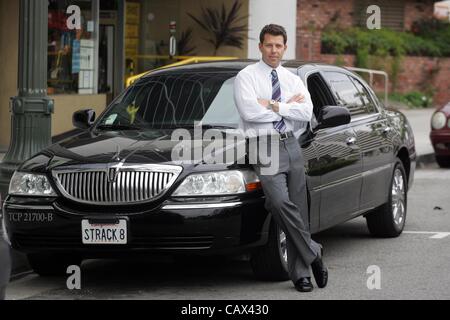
(268, 68)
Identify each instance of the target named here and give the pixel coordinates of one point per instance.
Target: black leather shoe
(320, 272)
(304, 285)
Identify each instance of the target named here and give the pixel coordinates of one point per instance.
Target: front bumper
(233, 225)
(441, 142)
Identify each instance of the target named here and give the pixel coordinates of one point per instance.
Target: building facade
(115, 39)
(315, 15)
(416, 72)
(95, 45)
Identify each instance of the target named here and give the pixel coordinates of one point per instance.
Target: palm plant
(183, 44)
(224, 27)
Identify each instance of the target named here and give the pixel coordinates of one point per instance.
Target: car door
(313, 182)
(339, 160)
(375, 140)
(312, 176)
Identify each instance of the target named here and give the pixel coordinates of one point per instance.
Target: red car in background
(440, 135)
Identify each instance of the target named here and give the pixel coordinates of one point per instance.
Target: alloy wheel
(398, 198)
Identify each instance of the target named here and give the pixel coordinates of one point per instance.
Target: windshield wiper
(114, 127)
(192, 126)
(217, 126)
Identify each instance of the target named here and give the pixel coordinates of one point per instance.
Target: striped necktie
(280, 126)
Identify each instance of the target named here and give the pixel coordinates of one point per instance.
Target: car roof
(233, 66)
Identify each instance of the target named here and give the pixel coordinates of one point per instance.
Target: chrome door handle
(351, 141)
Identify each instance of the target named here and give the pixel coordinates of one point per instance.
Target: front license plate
(101, 234)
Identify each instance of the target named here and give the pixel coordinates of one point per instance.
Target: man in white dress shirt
(274, 102)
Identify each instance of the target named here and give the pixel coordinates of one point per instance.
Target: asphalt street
(413, 266)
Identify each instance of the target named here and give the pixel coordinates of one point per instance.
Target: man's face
(272, 50)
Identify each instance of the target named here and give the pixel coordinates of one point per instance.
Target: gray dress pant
(287, 200)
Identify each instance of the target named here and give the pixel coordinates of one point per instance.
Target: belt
(286, 135)
(280, 136)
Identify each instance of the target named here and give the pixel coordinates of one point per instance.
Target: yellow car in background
(184, 61)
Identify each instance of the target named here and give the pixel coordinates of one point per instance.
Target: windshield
(175, 100)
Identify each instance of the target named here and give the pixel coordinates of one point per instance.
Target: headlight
(27, 184)
(439, 121)
(218, 183)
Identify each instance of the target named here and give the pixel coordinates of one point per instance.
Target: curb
(425, 160)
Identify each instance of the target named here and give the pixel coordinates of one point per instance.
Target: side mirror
(83, 119)
(333, 116)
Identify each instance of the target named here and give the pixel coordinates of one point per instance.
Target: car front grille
(114, 184)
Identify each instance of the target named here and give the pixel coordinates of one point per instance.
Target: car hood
(445, 109)
(128, 147)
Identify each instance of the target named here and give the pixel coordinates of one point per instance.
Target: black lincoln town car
(112, 188)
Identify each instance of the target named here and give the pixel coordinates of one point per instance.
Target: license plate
(104, 234)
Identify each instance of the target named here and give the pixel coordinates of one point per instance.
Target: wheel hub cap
(398, 198)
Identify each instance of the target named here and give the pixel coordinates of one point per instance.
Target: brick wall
(309, 45)
(348, 59)
(319, 13)
(417, 10)
(415, 75)
(416, 72)
(312, 17)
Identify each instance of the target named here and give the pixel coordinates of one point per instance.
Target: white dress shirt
(255, 82)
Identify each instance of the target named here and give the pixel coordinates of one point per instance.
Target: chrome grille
(116, 184)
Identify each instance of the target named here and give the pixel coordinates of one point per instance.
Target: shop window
(72, 47)
(148, 32)
(109, 50)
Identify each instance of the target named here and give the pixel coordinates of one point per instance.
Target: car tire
(388, 221)
(270, 261)
(47, 265)
(443, 162)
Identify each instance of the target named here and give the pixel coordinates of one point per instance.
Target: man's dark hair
(274, 30)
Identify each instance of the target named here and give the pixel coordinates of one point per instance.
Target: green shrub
(335, 42)
(417, 46)
(376, 49)
(436, 30)
(386, 42)
(413, 99)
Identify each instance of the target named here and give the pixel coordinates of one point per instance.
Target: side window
(319, 91)
(365, 97)
(346, 93)
(378, 102)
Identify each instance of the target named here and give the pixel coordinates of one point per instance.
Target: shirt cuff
(284, 110)
(277, 116)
